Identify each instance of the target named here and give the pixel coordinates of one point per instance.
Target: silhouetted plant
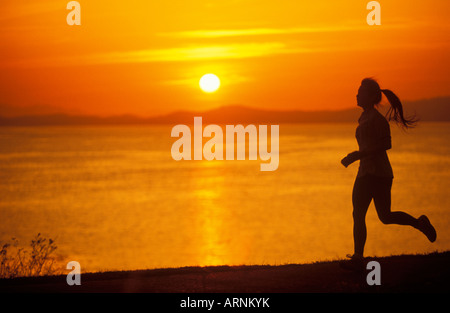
(18, 262)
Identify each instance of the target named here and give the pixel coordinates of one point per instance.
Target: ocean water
(113, 198)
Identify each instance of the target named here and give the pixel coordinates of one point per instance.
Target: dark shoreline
(429, 273)
(427, 110)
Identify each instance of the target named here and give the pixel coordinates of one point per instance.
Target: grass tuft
(20, 262)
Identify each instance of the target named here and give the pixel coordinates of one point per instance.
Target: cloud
(258, 31)
(230, 51)
(193, 52)
(180, 54)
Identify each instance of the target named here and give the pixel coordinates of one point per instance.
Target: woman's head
(369, 95)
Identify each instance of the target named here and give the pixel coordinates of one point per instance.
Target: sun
(209, 83)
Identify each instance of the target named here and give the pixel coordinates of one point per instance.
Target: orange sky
(146, 57)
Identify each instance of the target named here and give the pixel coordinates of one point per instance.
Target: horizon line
(177, 111)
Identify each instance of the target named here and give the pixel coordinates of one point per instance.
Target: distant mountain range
(436, 109)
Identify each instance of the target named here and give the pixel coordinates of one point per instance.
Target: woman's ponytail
(395, 112)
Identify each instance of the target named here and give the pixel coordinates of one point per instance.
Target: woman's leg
(361, 198)
(382, 199)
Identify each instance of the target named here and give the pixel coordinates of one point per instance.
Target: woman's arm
(358, 155)
(350, 158)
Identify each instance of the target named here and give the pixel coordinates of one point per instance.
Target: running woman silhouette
(374, 178)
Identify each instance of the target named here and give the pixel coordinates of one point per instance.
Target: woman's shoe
(427, 228)
(355, 263)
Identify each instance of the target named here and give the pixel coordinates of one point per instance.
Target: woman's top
(373, 134)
